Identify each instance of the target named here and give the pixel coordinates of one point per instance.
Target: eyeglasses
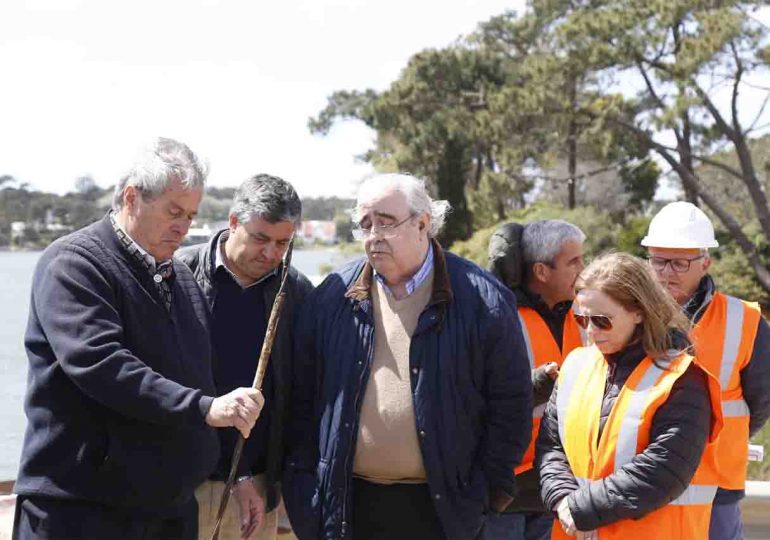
(383, 231)
(680, 266)
(602, 322)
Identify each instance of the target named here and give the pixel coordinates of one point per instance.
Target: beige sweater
(387, 449)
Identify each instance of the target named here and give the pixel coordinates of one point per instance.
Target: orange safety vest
(541, 349)
(724, 340)
(626, 433)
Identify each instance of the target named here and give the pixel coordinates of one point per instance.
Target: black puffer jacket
(654, 477)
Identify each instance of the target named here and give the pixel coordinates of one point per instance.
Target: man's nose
(668, 270)
(272, 251)
(181, 226)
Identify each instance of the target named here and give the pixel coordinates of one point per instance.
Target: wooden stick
(259, 376)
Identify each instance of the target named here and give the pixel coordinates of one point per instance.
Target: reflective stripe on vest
(696, 495)
(527, 342)
(629, 429)
(567, 379)
(732, 343)
(735, 408)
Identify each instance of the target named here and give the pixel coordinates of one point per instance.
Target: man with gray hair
(412, 398)
(239, 271)
(119, 401)
(540, 263)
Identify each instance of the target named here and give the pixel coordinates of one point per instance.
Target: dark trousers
(394, 512)
(518, 526)
(726, 522)
(44, 518)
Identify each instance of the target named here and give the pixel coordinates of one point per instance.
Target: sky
(85, 83)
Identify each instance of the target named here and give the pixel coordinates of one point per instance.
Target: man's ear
(130, 193)
(706, 263)
(424, 223)
(232, 222)
(541, 271)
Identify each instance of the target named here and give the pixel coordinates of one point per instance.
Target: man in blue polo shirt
(239, 270)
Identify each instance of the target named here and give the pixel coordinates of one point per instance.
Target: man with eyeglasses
(540, 263)
(731, 339)
(412, 393)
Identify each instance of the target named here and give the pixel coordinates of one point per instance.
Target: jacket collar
(696, 306)
(360, 290)
(209, 256)
(109, 238)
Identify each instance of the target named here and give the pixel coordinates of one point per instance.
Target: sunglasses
(602, 322)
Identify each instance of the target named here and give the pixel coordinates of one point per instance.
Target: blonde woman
(626, 427)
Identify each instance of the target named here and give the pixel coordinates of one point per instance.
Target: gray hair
(416, 193)
(157, 166)
(543, 240)
(266, 197)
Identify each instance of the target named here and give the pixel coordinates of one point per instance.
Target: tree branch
(650, 87)
(759, 115)
(736, 84)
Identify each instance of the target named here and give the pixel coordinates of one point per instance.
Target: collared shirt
(417, 279)
(220, 261)
(162, 274)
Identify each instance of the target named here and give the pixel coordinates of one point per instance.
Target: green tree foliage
(600, 230)
(690, 64)
(482, 122)
(344, 227)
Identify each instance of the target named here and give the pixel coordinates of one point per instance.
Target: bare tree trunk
(572, 146)
(685, 157)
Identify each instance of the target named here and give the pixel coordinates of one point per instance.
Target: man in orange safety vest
(731, 340)
(540, 263)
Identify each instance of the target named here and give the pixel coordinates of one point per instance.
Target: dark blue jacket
(472, 396)
(118, 386)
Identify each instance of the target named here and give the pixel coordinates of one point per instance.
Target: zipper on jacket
(354, 429)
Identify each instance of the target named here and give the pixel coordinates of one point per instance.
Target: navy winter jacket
(471, 385)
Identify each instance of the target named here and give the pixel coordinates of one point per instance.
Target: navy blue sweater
(118, 386)
(238, 330)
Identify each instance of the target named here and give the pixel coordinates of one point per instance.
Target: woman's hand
(565, 517)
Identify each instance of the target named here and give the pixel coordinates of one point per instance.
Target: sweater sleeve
(662, 471)
(75, 303)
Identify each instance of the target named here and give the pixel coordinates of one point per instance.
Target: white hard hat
(680, 225)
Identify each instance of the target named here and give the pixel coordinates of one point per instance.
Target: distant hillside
(46, 216)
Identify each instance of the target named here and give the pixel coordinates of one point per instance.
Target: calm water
(15, 279)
